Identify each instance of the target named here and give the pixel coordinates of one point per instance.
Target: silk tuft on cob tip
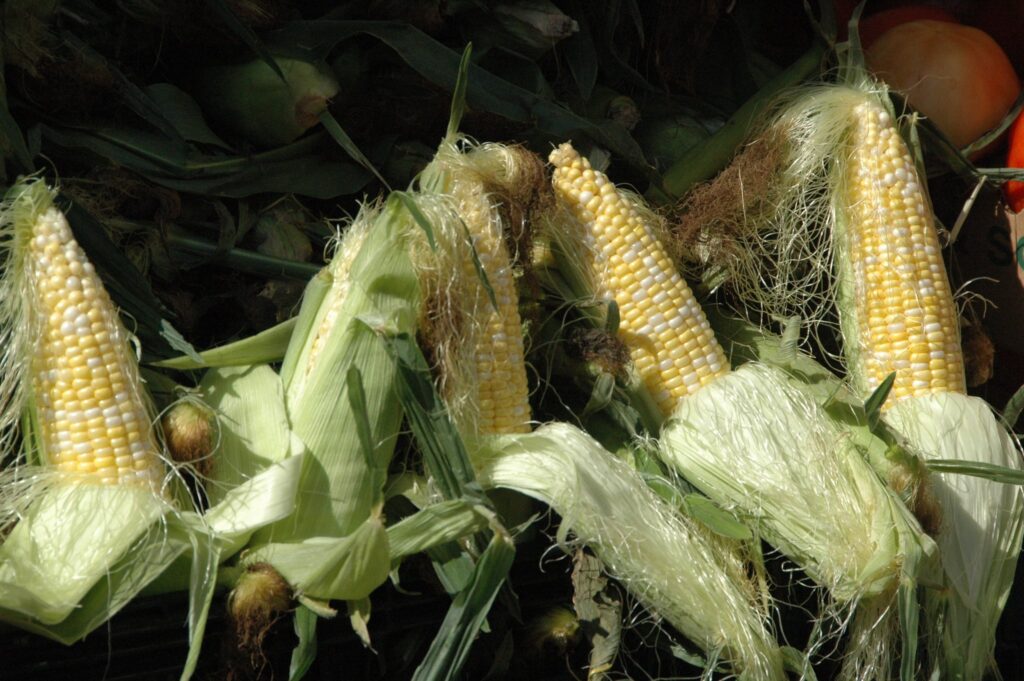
(473, 331)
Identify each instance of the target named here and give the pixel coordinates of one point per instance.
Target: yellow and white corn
(850, 172)
(661, 322)
(93, 419)
(905, 317)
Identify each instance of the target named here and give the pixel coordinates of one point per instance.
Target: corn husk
(698, 584)
(980, 538)
(252, 100)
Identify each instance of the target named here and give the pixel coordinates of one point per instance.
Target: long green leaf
(977, 469)
(467, 614)
(485, 92)
(339, 135)
(444, 453)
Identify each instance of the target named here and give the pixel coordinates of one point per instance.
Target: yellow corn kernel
(906, 318)
(503, 393)
(85, 425)
(661, 322)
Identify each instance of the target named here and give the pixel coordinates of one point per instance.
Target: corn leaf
(305, 651)
(484, 92)
(444, 453)
(339, 135)
(468, 613)
(184, 114)
(302, 167)
(264, 347)
(244, 33)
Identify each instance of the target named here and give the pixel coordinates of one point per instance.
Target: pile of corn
(276, 476)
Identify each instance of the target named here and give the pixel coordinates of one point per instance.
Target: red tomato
(874, 26)
(955, 75)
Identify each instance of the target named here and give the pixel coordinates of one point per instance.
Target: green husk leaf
(252, 424)
(93, 524)
(328, 568)
(715, 519)
(458, 107)
(305, 650)
(873, 405)
(434, 525)
(983, 524)
(443, 450)
(264, 347)
(468, 613)
(667, 561)
(813, 505)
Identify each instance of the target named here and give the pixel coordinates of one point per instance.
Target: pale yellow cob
(502, 392)
(906, 320)
(93, 418)
(661, 322)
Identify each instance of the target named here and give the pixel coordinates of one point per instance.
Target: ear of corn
(473, 327)
(668, 335)
(254, 101)
(373, 290)
(850, 172)
(89, 514)
(69, 375)
(903, 318)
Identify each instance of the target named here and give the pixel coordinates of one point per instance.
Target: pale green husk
(756, 442)
(697, 584)
(796, 475)
(980, 538)
(334, 546)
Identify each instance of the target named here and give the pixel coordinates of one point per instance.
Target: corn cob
(669, 337)
(904, 318)
(502, 395)
(94, 421)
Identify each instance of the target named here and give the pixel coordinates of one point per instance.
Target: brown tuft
(520, 198)
(259, 598)
(599, 348)
(914, 487)
(711, 221)
(189, 433)
(979, 355)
